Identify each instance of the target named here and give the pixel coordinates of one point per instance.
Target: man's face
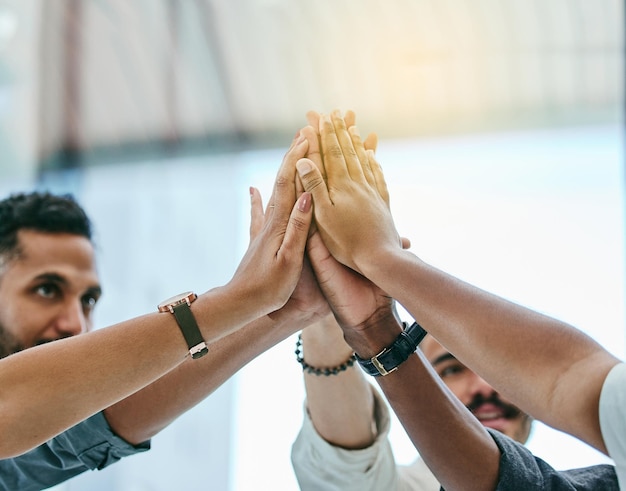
(49, 291)
(480, 398)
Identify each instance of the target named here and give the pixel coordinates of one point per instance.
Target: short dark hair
(40, 212)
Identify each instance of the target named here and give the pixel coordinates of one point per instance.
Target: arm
(548, 368)
(108, 365)
(341, 406)
(452, 442)
(143, 414)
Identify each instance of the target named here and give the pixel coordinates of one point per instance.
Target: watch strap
(189, 327)
(390, 358)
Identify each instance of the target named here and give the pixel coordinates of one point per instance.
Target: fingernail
(304, 203)
(300, 139)
(304, 167)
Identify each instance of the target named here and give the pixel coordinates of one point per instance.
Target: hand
(272, 265)
(350, 194)
(355, 301)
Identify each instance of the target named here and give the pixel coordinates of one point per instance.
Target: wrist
(371, 261)
(391, 357)
(324, 343)
(380, 330)
(221, 311)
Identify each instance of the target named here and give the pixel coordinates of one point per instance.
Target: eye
(451, 370)
(47, 290)
(89, 301)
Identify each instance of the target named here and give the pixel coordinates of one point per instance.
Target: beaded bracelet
(320, 371)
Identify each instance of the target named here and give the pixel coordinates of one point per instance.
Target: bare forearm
(66, 381)
(341, 406)
(452, 442)
(538, 362)
(145, 413)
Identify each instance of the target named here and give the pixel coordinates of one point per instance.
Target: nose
(477, 385)
(71, 320)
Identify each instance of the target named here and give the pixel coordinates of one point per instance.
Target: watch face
(176, 300)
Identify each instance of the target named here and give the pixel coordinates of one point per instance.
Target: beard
(8, 343)
(509, 411)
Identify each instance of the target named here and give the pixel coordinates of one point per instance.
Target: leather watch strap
(180, 306)
(391, 357)
(191, 331)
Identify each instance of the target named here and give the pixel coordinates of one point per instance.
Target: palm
(307, 298)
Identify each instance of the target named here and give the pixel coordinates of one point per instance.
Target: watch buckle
(379, 366)
(199, 350)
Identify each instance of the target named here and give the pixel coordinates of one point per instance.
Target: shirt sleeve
(520, 470)
(613, 417)
(89, 445)
(319, 465)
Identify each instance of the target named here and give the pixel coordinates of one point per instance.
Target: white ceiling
(88, 74)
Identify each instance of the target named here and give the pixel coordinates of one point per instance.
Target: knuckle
(298, 223)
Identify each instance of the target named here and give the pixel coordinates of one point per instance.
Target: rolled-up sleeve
(318, 465)
(87, 446)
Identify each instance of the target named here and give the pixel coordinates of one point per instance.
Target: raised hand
(350, 196)
(271, 267)
(306, 303)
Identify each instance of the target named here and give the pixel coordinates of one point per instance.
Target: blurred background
(501, 135)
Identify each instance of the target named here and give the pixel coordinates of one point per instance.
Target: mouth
(492, 416)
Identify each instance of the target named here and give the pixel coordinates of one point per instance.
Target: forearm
(145, 413)
(538, 362)
(452, 442)
(341, 406)
(84, 374)
(460, 453)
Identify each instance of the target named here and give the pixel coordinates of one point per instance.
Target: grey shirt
(520, 470)
(88, 445)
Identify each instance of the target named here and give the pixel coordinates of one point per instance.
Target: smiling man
(491, 409)
(343, 443)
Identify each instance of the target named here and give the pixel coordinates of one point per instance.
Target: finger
(297, 231)
(371, 142)
(314, 152)
(332, 154)
(313, 183)
(347, 148)
(257, 217)
(377, 171)
(349, 118)
(357, 143)
(284, 191)
(313, 118)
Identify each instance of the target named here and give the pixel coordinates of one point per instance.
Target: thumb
(297, 232)
(312, 181)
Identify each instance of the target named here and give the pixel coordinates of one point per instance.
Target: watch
(390, 358)
(179, 305)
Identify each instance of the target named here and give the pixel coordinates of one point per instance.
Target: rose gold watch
(180, 306)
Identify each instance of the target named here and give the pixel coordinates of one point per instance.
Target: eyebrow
(442, 358)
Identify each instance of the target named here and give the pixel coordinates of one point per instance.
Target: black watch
(390, 358)
(179, 305)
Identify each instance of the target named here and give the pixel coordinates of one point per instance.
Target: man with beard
(552, 369)
(343, 443)
(90, 398)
